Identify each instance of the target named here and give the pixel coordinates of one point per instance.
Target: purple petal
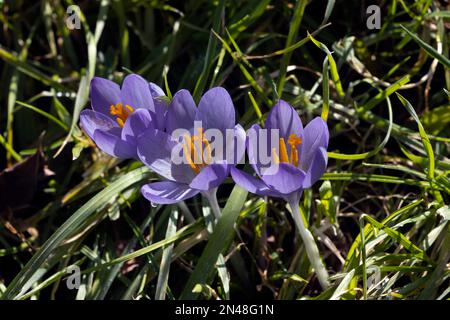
(232, 148)
(286, 119)
(156, 90)
(136, 93)
(161, 106)
(111, 144)
(92, 120)
(139, 121)
(154, 148)
(210, 177)
(259, 148)
(284, 178)
(104, 93)
(252, 184)
(317, 168)
(315, 136)
(167, 192)
(235, 153)
(181, 112)
(216, 110)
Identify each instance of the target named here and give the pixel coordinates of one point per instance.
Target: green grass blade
(428, 49)
(70, 226)
(325, 91)
(217, 244)
(45, 114)
(333, 66)
(83, 89)
(210, 53)
(365, 155)
(292, 35)
(350, 176)
(399, 238)
(8, 148)
(114, 271)
(423, 135)
(244, 70)
(166, 259)
(372, 103)
(343, 285)
(426, 144)
(224, 276)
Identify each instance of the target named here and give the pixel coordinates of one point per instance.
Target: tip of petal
(285, 118)
(133, 77)
(217, 90)
(182, 94)
(281, 104)
(216, 109)
(156, 90)
(96, 80)
(319, 120)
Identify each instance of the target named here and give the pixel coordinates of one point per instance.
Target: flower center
(293, 142)
(197, 151)
(121, 112)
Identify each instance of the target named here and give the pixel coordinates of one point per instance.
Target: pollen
(197, 151)
(121, 113)
(293, 142)
(282, 156)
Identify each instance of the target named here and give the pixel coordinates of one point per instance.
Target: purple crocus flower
(201, 170)
(298, 160)
(120, 115)
(296, 164)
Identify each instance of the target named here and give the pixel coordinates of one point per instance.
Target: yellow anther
(294, 156)
(120, 122)
(197, 151)
(283, 152)
(293, 142)
(198, 148)
(200, 133)
(187, 150)
(276, 159)
(207, 151)
(282, 155)
(129, 108)
(121, 113)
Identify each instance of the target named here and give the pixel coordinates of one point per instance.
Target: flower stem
(310, 245)
(187, 213)
(212, 199)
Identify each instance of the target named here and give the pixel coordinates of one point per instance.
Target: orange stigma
(282, 156)
(121, 113)
(197, 151)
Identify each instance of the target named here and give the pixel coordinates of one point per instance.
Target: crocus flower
(120, 115)
(298, 160)
(297, 163)
(201, 170)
